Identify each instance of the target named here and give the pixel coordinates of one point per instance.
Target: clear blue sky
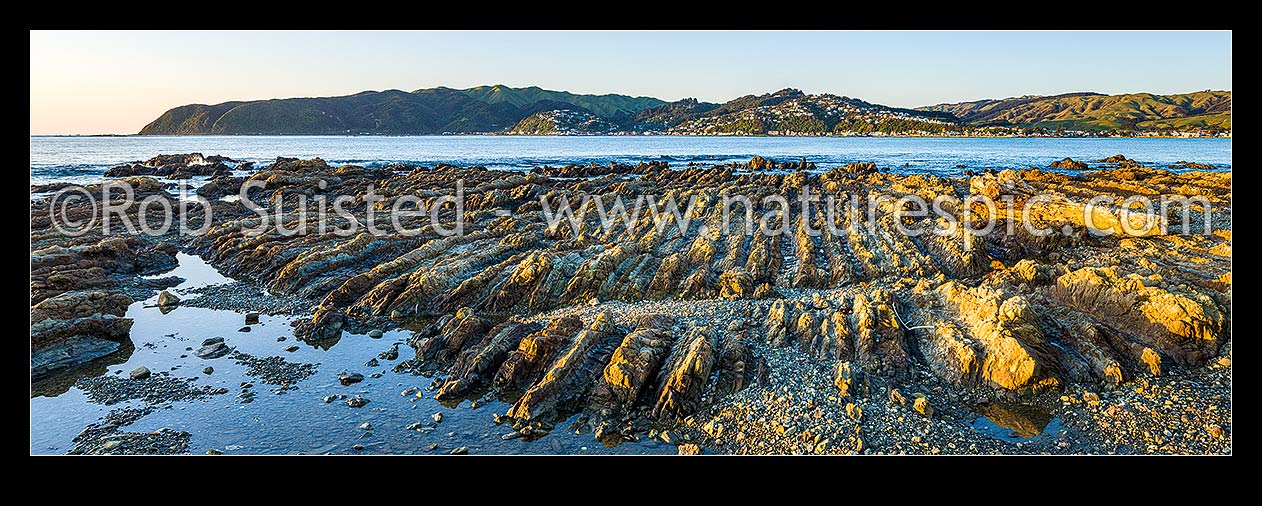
(116, 82)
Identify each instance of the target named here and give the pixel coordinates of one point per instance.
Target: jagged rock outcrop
(82, 283)
(58, 269)
(80, 304)
(1069, 164)
(476, 366)
(568, 379)
(1185, 326)
(526, 364)
(1021, 311)
(634, 364)
(182, 166)
(683, 377)
(1015, 353)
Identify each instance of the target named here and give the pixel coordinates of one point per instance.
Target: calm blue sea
(84, 159)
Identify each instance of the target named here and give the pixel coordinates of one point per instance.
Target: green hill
(533, 110)
(189, 119)
(421, 112)
(791, 112)
(370, 112)
(663, 117)
(609, 105)
(1095, 112)
(563, 122)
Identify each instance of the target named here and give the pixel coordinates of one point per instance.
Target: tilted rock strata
(1020, 311)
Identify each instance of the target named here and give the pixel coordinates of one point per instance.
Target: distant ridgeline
(535, 111)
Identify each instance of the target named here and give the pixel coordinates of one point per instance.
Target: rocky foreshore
(858, 340)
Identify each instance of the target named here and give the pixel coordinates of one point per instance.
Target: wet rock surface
(181, 166)
(82, 283)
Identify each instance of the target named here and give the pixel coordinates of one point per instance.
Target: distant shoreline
(660, 135)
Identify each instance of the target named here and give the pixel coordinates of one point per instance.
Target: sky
(116, 82)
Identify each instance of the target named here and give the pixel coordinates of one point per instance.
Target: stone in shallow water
(350, 378)
(140, 373)
(167, 299)
(214, 350)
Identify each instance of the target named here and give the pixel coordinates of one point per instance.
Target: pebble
(357, 447)
(208, 370)
(438, 417)
(251, 318)
(244, 329)
(291, 348)
(921, 405)
(349, 378)
(167, 299)
(375, 333)
(140, 373)
(365, 426)
(432, 447)
(463, 450)
(213, 350)
(213, 451)
(357, 402)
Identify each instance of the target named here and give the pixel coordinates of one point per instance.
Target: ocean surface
(85, 159)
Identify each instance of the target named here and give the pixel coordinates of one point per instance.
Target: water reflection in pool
(1015, 422)
(291, 421)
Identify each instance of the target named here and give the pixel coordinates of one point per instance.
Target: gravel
(275, 370)
(159, 388)
(105, 438)
(246, 298)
